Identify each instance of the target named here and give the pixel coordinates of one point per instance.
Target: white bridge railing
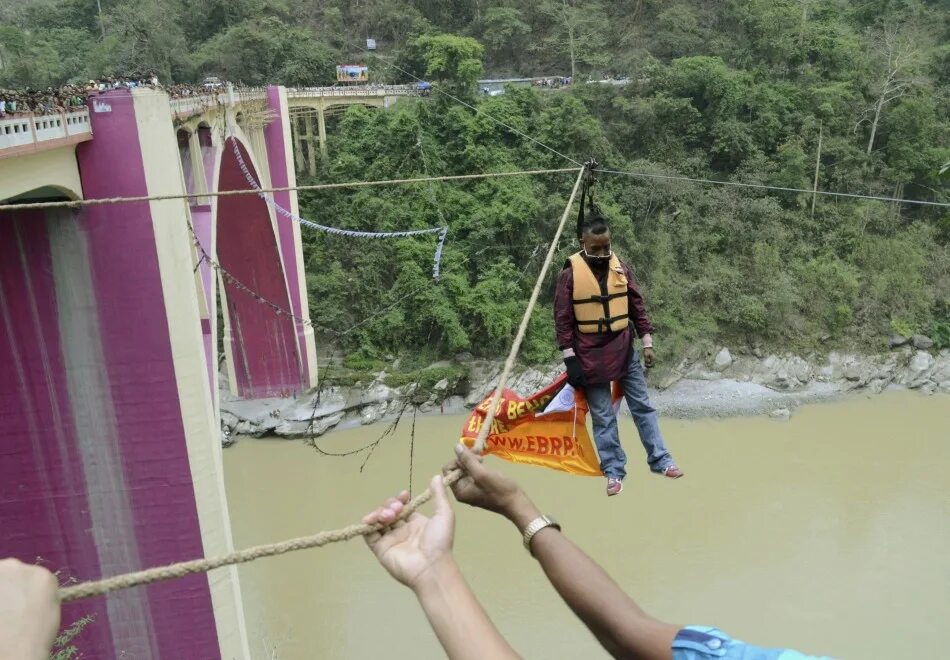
(34, 130)
(363, 90)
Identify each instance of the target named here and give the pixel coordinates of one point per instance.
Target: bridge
(109, 340)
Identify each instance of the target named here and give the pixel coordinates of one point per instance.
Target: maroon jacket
(604, 355)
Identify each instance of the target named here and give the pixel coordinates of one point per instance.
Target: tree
(502, 30)
(309, 63)
(148, 38)
(446, 58)
(678, 32)
(250, 52)
(579, 31)
(896, 60)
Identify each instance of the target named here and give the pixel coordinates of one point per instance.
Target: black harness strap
(587, 191)
(599, 299)
(604, 324)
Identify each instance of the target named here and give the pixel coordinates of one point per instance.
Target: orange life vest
(599, 309)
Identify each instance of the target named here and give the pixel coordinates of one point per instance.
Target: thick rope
(181, 569)
(148, 576)
(479, 445)
(75, 203)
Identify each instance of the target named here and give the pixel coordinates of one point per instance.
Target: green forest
(853, 95)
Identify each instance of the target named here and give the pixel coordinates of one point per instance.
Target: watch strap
(536, 526)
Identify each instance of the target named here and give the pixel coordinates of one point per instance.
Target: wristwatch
(536, 526)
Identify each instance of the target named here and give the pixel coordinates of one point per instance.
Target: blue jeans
(604, 419)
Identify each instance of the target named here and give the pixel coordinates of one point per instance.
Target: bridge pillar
(300, 140)
(114, 460)
(199, 176)
(322, 127)
(279, 151)
(311, 154)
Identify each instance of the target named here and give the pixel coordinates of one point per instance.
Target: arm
(617, 622)
(564, 326)
(638, 316)
(29, 610)
(456, 616)
(638, 310)
(564, 312)
(418, 553)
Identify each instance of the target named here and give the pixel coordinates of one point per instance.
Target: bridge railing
(33, 130)
(26, 132)
(363, 90)
(196, 104)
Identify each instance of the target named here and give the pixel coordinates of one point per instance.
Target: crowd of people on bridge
(554, 83)
(72, 97)
(42, 102)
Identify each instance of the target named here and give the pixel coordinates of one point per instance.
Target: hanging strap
(587, 191)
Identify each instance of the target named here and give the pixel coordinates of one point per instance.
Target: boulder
(878, 385)
(442, 385)
(301, 429)
(782, 381)
(798, 369)
(531, 380)
(923, 342)
(781, 413)
(835, 368)
(723, 359)
(853, 371)
(228, 421)
(919, 369)
(670, 379)
(896, 341)
(372, 413)
(377, 393)
(245, 427)
(941, 371)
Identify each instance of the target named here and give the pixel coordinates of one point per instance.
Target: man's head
(595, 238)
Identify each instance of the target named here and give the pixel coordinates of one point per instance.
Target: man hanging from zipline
(596, 304)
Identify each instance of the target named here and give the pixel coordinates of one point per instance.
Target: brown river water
(829, 533)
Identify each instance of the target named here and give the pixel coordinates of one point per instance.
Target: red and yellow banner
(539, 431)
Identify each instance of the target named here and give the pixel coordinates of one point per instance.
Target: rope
(181, 569)
(523, 328)
(75, 203)
(762, 186)
(412, 446)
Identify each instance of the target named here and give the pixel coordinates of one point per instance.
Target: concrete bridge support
(112, 454)
(108, 361)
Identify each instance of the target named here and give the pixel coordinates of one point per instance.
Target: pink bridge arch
(263, 343)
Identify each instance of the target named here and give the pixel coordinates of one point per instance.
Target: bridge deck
(25, 134)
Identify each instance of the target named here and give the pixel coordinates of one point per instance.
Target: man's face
(597, 245)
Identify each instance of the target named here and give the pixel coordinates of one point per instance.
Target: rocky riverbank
(718, 384)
